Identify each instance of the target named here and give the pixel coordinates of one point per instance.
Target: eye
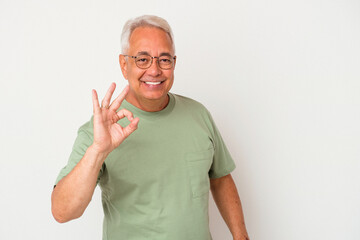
(165, 60)
(142, 60)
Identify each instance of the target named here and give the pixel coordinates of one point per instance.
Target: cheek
(134, 75)
(171, 76)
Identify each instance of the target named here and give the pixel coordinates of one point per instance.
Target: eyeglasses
(144, 61)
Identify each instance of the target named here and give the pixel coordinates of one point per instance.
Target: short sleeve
(82, 142)
(223, 164)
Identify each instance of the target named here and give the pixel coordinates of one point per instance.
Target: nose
(154, 69)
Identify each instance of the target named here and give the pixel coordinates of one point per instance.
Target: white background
(280, 77)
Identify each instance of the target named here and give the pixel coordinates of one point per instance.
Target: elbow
(59, 219)
(57, 211)
(62, 216)
(61, 212)
(64, 210)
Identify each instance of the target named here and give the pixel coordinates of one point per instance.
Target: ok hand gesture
(108, 134)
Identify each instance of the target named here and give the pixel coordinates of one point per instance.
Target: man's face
(154, 42)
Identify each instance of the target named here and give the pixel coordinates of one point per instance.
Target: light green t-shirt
(155, 185)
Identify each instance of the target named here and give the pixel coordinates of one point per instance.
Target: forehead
(150, 39)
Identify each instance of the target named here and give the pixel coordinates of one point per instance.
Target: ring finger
(106, 101)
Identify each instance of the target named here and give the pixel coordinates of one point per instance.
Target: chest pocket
(199, 164)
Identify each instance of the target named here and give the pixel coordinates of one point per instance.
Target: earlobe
(123, 65)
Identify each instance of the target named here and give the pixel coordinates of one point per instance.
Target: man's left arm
(228, 202)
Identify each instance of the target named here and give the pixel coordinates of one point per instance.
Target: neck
(149, 105)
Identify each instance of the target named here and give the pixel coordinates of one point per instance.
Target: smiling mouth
(153, 83)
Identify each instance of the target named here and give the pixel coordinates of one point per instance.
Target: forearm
(228, 202)
(73, 193)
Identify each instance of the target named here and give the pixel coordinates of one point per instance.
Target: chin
(155, 96)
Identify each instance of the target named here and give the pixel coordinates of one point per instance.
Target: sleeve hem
(224, 173)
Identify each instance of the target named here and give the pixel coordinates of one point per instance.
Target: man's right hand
(73, 193)
(108, 134)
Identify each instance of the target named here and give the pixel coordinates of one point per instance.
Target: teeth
(153, 83)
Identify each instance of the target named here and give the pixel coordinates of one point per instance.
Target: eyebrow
(165, 54)
(143, 53)
(161, 54)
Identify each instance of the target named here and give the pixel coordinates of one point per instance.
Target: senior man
(155, 181)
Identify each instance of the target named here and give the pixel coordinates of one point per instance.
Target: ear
(175, 62)
(123, 65)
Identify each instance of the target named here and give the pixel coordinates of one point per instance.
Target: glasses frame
(157, 61)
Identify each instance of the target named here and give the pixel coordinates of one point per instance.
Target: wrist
(242, 237)
(99, 151)
(98, 155)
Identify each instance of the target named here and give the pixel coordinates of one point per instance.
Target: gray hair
(144, 21)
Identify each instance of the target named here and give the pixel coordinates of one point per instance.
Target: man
(155, 181)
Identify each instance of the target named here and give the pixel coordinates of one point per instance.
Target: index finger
(117, 102)
(96, 106)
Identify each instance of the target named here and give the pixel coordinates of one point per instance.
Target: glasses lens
(165, 62)
(143, 61)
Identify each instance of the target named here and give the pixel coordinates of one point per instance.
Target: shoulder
(189, 103)
(193, 109)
